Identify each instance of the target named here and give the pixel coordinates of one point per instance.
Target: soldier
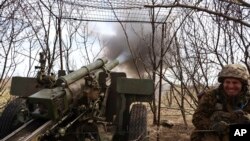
(227, 104)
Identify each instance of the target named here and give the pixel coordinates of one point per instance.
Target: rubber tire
(9, 116)
(138, 123)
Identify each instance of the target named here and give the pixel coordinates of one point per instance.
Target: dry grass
(5, 96)
(4, 99)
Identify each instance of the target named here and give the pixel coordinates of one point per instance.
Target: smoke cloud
(139, 38)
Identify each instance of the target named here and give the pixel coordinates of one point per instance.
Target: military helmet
(234, 71)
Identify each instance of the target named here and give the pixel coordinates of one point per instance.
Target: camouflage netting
(108, 10)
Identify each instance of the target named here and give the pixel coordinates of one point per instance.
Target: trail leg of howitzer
(29, 131)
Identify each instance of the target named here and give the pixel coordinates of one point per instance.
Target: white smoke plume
(139, 38)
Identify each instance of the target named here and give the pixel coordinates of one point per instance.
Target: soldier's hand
(223, 116)
(221, 127)
(243, 117)
(239, 112)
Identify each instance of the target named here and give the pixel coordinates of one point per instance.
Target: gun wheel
(14, 115)
(138, 123)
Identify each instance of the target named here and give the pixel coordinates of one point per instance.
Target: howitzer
(54, 103)
(90, 103)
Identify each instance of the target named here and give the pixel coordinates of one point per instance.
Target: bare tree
(194, 41)
(11, 28)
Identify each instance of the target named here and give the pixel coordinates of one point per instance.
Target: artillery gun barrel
(78, 74)
(109, 66)
(112, 64)
(75, 89)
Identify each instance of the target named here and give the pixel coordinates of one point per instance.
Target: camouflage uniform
(216, 106)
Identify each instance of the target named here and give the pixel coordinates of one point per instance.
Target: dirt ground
(178, 132)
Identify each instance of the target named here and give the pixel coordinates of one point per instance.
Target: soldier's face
(232, 86)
